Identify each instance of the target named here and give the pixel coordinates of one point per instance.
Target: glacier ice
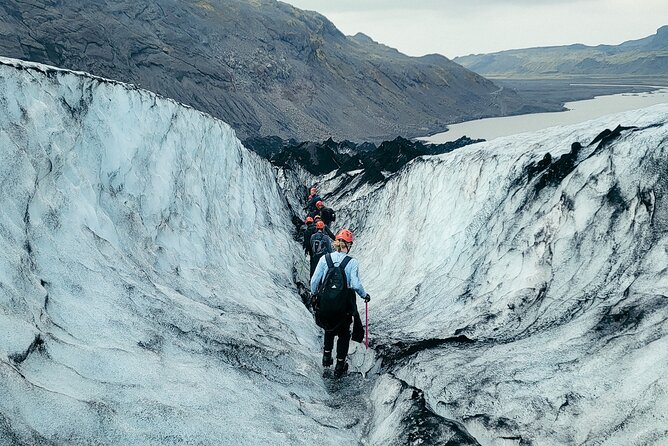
(146, 289)
(526, 293)
(147, 283)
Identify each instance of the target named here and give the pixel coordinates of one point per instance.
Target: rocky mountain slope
(263, 66)
(635, 58)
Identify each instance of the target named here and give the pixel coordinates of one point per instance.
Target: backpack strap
(343, 265)
(328, 258)
(345, 262)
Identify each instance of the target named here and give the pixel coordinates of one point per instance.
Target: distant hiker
(333, 285)
(308, 232)
(320, 244)
(313, 192)
(312, 211)
(328, 215)
(313, 198)
(327, 230)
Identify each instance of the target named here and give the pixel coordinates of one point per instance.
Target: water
(578, 111)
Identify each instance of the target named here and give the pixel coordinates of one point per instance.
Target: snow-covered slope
(527, 295)
(146, 277)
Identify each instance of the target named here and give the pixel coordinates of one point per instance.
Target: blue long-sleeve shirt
(352, 273)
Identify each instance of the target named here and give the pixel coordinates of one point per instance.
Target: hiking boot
(341, 368)
(327, 359)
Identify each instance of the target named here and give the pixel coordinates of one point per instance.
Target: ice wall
(522, 283)
(146, 290)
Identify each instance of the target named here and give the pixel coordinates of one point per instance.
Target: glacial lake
(578, 111)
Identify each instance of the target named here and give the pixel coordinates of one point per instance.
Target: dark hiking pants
(342, 344)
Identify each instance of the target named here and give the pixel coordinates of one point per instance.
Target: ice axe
(366, 342)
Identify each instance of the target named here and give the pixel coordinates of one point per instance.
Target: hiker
(327, 214)
(327, 230)
(312, 199)
(307, 235)
(320, 245)
(314, 211)
(308, 232)
(333, 285)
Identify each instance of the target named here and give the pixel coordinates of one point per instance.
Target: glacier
(146, 276)
(149, 282)
(522, 283)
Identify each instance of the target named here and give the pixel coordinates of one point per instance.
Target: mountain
(643, 57)
(263, 66)
(150, 285)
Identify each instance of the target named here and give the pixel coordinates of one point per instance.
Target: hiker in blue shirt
(337, 323)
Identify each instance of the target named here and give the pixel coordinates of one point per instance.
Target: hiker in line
(308, 232)
(312, 199)
(320, 245)
(314, 211)
(334, 284)
(327, 230)
(327, 214)
(312, 192)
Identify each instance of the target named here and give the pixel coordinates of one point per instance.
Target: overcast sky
(461, 27)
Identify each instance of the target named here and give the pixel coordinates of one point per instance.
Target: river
(578, 111)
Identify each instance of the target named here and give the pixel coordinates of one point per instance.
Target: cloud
(439, 5)
(456, 28)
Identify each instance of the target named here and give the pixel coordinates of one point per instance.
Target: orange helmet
(320, 224)
(309, 219)
(345, 235)
(319, 204)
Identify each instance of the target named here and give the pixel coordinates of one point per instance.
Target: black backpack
(332, 215)
(332, 304)
(319, 244)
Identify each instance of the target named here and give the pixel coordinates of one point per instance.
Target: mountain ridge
(647, 56)
(264, 67)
